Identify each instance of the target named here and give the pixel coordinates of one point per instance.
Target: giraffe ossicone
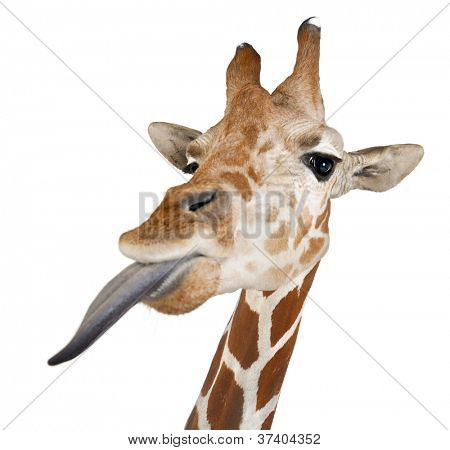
(254, 216)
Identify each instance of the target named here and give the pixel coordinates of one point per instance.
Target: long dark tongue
(135, 282)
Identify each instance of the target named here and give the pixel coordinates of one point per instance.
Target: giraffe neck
(244, 381)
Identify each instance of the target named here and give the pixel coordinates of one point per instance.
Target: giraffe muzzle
(137, 282)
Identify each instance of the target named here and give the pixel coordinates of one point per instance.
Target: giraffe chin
(172, 287)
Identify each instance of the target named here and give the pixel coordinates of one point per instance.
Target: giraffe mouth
(136, 282)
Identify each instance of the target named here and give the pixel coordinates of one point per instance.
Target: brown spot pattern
(267, 424)
(284, 315)
(253, 175)
(322, 220)
(315, 244)
(304, 222)
(272, 376)
(214, 368)
(307, 282)
(288, 309)
(243, 340)
(324, 227)
(266, 146)
(278, 241)
(226, 402)
(239, 182)
(192, 422)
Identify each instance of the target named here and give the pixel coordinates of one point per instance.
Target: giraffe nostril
(199, 200)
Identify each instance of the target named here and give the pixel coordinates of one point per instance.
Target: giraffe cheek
(278, 241)
(276, 276)
(314, 251)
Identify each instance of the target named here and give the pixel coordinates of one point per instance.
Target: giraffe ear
(381, 168)
(171, 140)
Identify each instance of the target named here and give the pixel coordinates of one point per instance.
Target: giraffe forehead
(249, 142)
(253, 138)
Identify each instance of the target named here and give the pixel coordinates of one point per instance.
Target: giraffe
(253, 217)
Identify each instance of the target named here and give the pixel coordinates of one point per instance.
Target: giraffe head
(262, 178)
(255, 212)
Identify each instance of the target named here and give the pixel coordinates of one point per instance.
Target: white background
(71, 171)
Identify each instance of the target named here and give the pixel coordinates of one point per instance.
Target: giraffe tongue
(125, 290)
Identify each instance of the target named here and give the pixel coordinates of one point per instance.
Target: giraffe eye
(321, 165)
(191, 168)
